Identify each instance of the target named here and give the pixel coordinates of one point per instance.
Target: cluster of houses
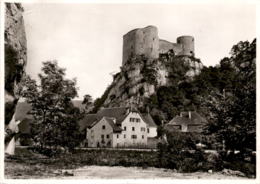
(120, 126)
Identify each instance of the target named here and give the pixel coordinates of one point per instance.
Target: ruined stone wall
(165, 46)
(145, 41)
(141, 41)
(15, 55)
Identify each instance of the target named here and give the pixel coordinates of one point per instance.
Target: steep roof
(195, 118)
(25, 126)
(22, 108)
(87, 121)
(148, 119)
(119, 113)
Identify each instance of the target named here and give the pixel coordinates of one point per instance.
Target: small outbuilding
(190, 121)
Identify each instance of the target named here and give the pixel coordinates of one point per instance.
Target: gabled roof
(195, 119)
(87, 121)
(148, 119)
(21, 111)
(119, 113)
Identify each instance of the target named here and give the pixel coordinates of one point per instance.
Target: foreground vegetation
(29, 164)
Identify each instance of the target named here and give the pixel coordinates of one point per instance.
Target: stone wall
(165, 46)
(15, 56)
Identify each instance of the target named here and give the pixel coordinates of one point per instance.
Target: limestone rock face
(140, 77)
(15, 56)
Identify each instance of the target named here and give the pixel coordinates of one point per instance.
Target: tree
(52, 108)
(88, 102)
(233, 111)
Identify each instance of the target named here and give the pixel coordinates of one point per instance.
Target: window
(148, 130)
(125, 128)
(102, 136)
(176, 127)
(117, 135)
(103, 127)
(142, 136)
(137, 120)
(134, 136)
(142, 129)
(107, 136)
(124, 136)
(133, 128)
(132, 119)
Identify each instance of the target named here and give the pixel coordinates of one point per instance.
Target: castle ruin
(145, 41)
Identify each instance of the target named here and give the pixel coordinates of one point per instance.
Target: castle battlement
(146, 41)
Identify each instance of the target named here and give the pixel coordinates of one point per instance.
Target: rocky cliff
(15, 56)
(140, 77)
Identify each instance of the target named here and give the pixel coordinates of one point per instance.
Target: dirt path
(105, 172)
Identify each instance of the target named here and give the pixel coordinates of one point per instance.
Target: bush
(249, 169)
(181, 154)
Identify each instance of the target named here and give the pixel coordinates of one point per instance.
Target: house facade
(190, 121)
(119, 127)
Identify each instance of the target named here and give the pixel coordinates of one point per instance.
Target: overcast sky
(87, 40)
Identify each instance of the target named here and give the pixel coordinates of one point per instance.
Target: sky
(87, 39)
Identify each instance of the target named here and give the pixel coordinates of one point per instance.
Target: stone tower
(141, 41)
(187, 43)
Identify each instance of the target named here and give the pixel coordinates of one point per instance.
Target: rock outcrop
(149, 63)
(140, 77)
(15, 56)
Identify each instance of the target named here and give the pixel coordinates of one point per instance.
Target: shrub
(181, 154)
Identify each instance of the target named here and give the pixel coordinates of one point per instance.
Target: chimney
(189, 115)
(128, 110)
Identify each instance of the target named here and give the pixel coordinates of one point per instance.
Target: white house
(118, 127)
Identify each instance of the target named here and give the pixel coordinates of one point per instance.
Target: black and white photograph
(144, 91)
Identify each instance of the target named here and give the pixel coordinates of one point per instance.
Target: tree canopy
(232, 112)
(52, 108)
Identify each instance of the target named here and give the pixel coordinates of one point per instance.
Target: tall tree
(233, 111)
(52, 108)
